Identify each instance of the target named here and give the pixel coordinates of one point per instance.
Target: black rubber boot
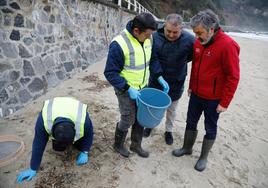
(202, 161)
(136, 138)
(168, 138)
(147, 132)
(189, 140)
(120, 137)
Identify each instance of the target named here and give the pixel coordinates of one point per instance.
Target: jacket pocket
(214, 85)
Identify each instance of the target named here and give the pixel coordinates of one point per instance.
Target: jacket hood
(129, 27)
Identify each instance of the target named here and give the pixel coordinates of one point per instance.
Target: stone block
(12, 101)
(41, 30)
(9, 50)
(27, 68)
(3, 3)
(69, 66)
(37, 49)
(7, 10)
(36, 85)
(7, 20)
(52, 19)
(39, 68)
(28, 41)
(29, 24)
(79, 64)
(3, 96)
(19, 21)
(47, 8)
(39, 40)
(14, 75)
(14, 87)
(24, 81)
(49, 39)
(62, 57)
(24, 96)
(15, 35)
(65, 46)
(14, 5)
(17, 63)
(50, 29)
(60, 75)
(40, 16)
(49, 61)
(2, 84)
(70, 33)
(51, 78)
(24, 52)
(5, 66)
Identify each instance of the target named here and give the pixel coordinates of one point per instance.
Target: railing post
(135, 5)
(120, 3)
(128, 6)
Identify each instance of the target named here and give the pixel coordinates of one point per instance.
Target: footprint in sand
(235, 170)
(178, 178)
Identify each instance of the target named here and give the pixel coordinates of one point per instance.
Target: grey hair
(174, 19)
(206, 18)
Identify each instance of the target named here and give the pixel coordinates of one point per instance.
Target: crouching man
(66, 121)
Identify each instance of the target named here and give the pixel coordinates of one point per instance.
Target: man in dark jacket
(214, 78)
(174, 47)
(127, 69)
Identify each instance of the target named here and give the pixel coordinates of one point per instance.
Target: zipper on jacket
(214, 85)
(200, 61)
(144, 73)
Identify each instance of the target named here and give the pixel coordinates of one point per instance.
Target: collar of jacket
(217, 34)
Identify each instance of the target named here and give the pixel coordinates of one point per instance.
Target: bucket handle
(159, 119)
(137, 101)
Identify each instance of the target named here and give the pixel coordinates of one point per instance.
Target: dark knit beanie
(63, 131)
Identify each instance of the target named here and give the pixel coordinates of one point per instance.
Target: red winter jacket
(215, 69)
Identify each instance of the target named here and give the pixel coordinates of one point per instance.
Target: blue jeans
(196, 106)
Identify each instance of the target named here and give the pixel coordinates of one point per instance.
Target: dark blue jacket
(41, 138)
(173, 57)
(115, 64)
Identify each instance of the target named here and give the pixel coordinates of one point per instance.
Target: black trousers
(197, 106)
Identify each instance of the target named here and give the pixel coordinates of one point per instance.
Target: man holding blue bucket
(127, 70)
(174, 48)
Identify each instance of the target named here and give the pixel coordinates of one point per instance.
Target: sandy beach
(237, 159)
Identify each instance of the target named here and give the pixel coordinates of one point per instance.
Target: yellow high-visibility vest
(65, 107)
(137, 58)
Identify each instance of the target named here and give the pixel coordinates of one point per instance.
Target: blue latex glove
(133, 93)
(26, 174)
(82, 158)
(163, 83)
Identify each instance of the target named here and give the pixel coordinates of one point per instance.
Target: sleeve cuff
(157, 75)
(126, 87)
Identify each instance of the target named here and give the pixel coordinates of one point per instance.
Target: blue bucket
(152, 104)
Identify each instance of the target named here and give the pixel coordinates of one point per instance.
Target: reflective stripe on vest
(65, 107)
(137, 58)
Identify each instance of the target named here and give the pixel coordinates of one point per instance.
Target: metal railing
(132, 5)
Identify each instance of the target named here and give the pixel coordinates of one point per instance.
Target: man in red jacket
(213, 82)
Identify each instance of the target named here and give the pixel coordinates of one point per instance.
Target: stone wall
(44, 42)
